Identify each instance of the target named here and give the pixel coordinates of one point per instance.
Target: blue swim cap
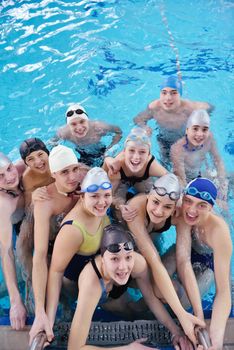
(172, 82)
(202, 188)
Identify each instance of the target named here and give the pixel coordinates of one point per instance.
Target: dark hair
(30, 145)
(115, 234)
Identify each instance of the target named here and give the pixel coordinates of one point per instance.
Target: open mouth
(191, 218)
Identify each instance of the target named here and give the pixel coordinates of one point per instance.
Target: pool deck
(18, 340)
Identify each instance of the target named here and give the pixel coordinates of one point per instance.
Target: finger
(12, 320)
(141, 340)
(17, 324)
(22, 322)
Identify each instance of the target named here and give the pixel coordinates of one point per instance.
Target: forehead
(67, 168)
(35, 153)
(137, 145)
(168, 89)
(165, 200)
(198, 126)
(194, 200)
(3, 169)
(77, 119)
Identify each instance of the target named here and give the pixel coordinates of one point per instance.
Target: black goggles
(77, 111)
(161, 191)
(116, 247)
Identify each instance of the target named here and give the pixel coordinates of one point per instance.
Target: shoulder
(63, 131)
(7, 206)
(154, 104)
(140, 265)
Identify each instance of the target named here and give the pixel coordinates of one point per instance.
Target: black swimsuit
(133, 179)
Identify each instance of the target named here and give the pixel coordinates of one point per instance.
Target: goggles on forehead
(116, 247)
(141, 138)
(77, 111)
(206, 196)
(161, 191)
(94, 188)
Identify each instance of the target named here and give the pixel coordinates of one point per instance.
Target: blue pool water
(111, 57)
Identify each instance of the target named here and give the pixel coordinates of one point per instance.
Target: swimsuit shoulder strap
(146, 174)
(68, 222)
(104, 293)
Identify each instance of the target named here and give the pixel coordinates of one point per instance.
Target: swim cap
(4, 160)
(172, 82)
(31, 145)
(76, 111)
(95, 179)
(167, 184)
(198, 117)
(202, 188)
(60, 157)
(138, 135)
(113, 235)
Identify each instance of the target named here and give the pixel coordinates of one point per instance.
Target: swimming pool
(111, 56)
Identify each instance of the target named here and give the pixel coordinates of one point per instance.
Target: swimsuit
(88, 249)
(133, 179)
(201, 254)
(116, 291)
(92, 157)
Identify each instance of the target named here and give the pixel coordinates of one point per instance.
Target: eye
(168, 207)
(155, 202)
(114, 258)
(142, 152)
(1, 176)
(108, 195)
(64, 172)
(41, 154)
(129, 257)
(174, 92)
(75, 169)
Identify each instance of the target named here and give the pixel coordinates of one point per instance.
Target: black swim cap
(31, 145)
(113, 235)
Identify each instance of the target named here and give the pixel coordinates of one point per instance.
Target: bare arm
(66, 245)
(113, 129)
(178, 162)
(142, 118)
(222, 247)
(17, 309)
(202, 105)
(184, 267)
(156, 169)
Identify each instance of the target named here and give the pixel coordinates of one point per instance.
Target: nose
(123, 265)
(158, 210)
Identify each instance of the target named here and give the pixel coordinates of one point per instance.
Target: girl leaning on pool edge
(108, 275)
(155, 213)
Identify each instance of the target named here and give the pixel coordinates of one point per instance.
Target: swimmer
(11, 212)
(107, 276)
(80, 235)
(135, 167)
(37, 174)
(156, 214)
(171, 114)
(189, 155)
(86, 135)
(48, 213)
(203, 238)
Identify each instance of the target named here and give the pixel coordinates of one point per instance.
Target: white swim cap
(167, 184)
(76, 111)
(4, 160)
(60, 157)
(95, 179)
(138, 135)
(198, 117)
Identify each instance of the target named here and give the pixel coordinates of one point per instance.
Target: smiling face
(38, 161)
(79, 127)
(159, 208)
(197, 135)
(9, 177)
(169, 99)
(67, 179)
(195, 210)
(97, 203)
(118, 266)
(136, 156)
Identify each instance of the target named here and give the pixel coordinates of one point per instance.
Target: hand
(41, 323)
(18, 315)
(136, 345)
(40, 194)
(128, 213)
(113, 166)
(181, 342)
(188, 323)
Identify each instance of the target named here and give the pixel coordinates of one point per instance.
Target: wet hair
(31, 145)
(115, 234)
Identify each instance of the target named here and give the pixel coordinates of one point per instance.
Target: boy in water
(204, 243)
(11, 212)
(87, 134)
(171, 114)
(196, 153)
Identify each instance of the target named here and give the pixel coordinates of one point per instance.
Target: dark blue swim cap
(172, 82)
(202, 188)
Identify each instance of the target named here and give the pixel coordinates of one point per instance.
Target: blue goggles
(94, 188)
(206, 196)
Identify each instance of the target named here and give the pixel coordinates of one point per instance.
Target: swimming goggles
(94, 188)
(116, 247)
(141, 138)
(77, 111)
(161, 191)
(206, 196)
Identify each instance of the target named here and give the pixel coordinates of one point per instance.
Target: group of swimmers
(92, 231)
